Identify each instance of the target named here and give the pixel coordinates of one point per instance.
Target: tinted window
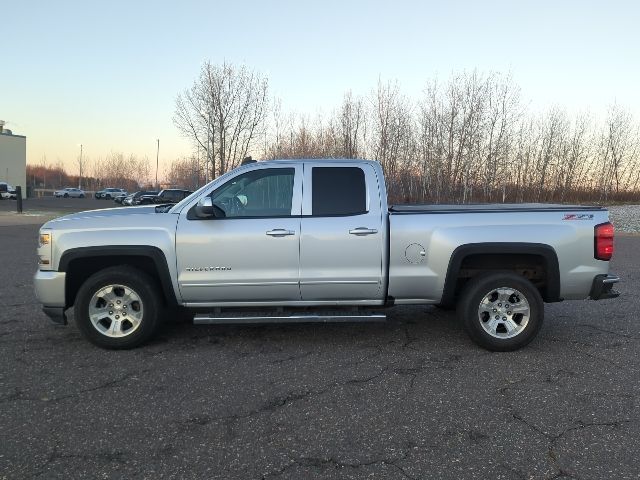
(338, 191)
(260, 193)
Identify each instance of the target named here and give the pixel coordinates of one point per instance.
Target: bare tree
(186, 173)
(123, 171)
(351, 127)
(618, 149)
(393, 142)
(223, 113)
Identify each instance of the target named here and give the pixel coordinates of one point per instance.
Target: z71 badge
(578, 216)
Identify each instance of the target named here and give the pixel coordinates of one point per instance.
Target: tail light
(603, 241)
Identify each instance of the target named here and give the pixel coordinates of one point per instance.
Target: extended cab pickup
(314, 240)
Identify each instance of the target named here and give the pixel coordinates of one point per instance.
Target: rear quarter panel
(441, 233)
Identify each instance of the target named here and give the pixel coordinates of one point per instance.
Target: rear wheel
(118, 307)
(501, 311)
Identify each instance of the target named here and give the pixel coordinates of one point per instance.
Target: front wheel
(66, 195)
(81, 195)
(501, 311)
(118, 308)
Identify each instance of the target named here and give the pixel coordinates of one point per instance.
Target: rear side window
(338, 191)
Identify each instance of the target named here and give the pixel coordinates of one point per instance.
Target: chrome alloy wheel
(116, 311)
(504, 312)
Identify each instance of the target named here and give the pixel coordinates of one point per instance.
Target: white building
(13, 159)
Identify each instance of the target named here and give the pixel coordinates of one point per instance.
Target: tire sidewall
(475, 291)
(141, 283)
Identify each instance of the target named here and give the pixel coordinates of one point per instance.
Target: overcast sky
(106, 74)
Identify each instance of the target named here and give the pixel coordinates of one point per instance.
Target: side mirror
(206, 209)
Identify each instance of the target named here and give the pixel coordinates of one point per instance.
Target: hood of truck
(103, 215)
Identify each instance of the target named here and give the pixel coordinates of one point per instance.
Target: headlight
(45, 239)
(44, 250)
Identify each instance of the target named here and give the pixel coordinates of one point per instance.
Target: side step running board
(236, 318)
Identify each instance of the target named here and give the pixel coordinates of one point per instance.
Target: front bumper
(602, 287)
(50, 291)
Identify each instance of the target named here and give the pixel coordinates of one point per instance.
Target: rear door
(341, 248)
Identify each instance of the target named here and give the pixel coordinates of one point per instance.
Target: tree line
(115, 170)
(469, 139)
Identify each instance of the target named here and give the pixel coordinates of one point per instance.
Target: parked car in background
(133, 197)
(168, 195)
(120, 197)
(69, 192)
(7, 191)
(109, 193)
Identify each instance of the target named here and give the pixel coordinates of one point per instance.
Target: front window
(266, 192)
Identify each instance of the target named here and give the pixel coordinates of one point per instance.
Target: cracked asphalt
(412, 398)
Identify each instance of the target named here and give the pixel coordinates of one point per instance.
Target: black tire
(149, 304)
(481, 305)
(81, 196)
(66, 195)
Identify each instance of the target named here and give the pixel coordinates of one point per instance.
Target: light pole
(157, 157)
(80, 165)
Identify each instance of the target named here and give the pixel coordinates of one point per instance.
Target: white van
(7, 191)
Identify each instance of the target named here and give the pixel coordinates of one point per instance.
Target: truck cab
(261, 237)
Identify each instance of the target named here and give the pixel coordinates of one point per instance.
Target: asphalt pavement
(412, 398)
(52, 206)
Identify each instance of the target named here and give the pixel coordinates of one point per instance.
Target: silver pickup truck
(314, 241)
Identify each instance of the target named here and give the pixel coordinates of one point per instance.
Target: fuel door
(415, 253)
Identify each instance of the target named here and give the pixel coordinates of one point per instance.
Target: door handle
(360, 231)
(280, 232)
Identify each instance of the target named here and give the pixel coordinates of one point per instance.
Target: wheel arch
(80, 263)
(509, 253)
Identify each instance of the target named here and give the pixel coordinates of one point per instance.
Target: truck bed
(491, 208)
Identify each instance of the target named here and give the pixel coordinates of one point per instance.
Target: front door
(252, 253)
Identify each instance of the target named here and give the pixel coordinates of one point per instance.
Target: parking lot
(51, 206)
(412, 398)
